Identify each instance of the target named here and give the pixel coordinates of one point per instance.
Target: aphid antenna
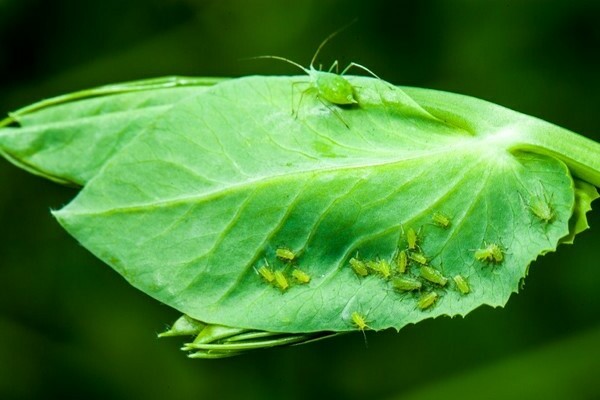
(543, 190)
(543, 194)
(485, 244)
(327, 39)
(523, 202)
(335, 63)
(334, 112)
(280, 59)
(362, 67)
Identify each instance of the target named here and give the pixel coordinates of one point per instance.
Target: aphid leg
(294, 84)
(365, 337)
(355, 65)
(334, 111)
(336, 65)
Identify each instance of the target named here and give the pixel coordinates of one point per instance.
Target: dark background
(71, 327)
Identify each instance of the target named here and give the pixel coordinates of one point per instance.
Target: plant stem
(582, 155)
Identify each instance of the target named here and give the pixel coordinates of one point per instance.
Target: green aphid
(360, 321)
(461, 284)
(328, 86)
(381, 267)
(419, 258)
(412, 239)
(427, 300)
(406, 284)
(541, 208)
(285, 254)
(433, 275)
(281, 281)
(441, 220)
(359, 267)
(301, 276)
(401, 261)
(267, 273)
(491, 253)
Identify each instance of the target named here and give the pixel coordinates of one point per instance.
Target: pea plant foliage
(268, 227)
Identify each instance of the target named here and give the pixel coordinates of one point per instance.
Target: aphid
(266, 273)
(301, 276)
(427, 300)
(382, 267)
(433, 276)
(461, 284)
(359, 321)
(329, 86)
(418, 257)
(412, 239)
(281, 281)
(285, 254)
(405, 284)
(359, 267)
(401, 260)
(441, 220)
(541, 208)
(491, 253)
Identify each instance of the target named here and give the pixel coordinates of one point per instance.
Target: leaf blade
(196, 213)
(68, 139)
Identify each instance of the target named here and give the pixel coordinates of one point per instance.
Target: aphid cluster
(409, 270)
(282, 278)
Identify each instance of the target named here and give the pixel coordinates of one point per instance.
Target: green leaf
(584, 195)
(193, 207)
(69, 138)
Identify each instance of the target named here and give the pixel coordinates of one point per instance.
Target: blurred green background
(70, 327)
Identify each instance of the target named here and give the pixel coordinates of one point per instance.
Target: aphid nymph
(490, 253)
(412, 239)
(301, 276)
(381, 267)
(461, 284)
(401, 260)
(267, 273)
(441, 220)
(540, 207)
(427, 300)
(433, 276)
(361, 323)
(419, 258)
(285, 254)
(359, 320)
(359, 267)
(405, 284)
(281, 281)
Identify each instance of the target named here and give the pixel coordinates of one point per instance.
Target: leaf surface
(193, 207)
(69, 138)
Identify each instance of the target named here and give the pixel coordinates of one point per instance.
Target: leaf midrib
(266, 180)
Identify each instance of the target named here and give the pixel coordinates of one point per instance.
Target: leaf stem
(582, 155)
